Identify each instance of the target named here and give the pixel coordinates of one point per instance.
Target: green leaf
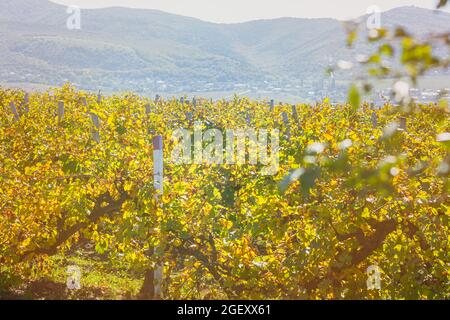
(442, 3)
(354, 98)
(351, 38)
(387, 50)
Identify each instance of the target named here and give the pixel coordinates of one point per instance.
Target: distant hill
(152, 51)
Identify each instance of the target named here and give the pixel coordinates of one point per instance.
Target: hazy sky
(244, 10)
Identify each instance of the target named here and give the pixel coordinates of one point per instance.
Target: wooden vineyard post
(96, 132)
(60, 111)
(403, 123)
(294, 113)
(189, 116)
(158, 178)
(286, 124)
(194, 102)
(13, 108)
(148, 111)
(272, 105)
(26, 102)
(84, 101)
(374, 119)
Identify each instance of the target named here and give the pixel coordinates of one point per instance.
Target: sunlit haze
(238, 10)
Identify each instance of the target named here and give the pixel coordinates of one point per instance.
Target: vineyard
(357, 187)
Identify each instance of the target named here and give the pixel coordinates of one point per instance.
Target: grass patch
(99, 281)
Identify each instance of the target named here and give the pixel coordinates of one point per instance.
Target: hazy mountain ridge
(150, 50)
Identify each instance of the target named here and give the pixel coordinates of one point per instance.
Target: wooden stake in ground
(148, 109)
(286, 123)
(60, 111)
(84, 101)
(96, 133)
(403, 123)
(13, 108)
(374, 119)
(158, 178)
(294, 113)
(26, 103)
(272, 105)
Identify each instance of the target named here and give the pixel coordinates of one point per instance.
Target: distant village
(307, 91)
(288, 90)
